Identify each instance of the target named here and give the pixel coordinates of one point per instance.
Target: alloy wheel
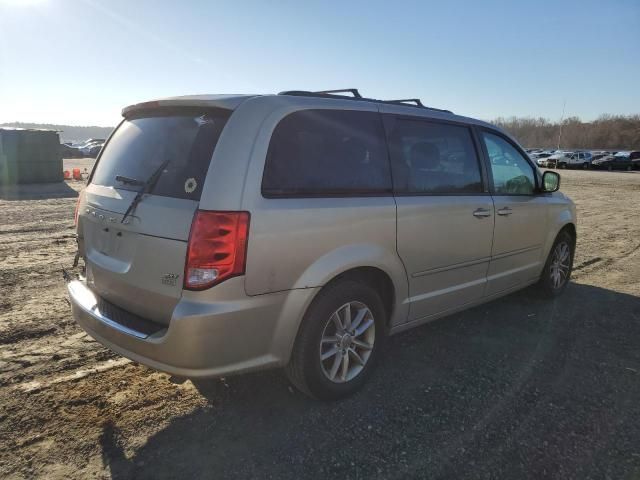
(347, 342)
(560, 265)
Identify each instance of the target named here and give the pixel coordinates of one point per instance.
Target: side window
(512, 174)
(327, 152)
(433, 158)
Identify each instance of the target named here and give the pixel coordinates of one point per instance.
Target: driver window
(512, 174)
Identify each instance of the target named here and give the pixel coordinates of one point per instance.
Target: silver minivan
(229, 233)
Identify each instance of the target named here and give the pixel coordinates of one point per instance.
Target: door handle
(481, 213)
(505, 211)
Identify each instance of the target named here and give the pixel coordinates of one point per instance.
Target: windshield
(185, 139)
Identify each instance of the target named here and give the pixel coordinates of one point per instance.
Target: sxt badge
(170, 279)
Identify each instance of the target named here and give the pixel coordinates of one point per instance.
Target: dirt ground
(518, 388)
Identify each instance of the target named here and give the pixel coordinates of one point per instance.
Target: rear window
(327, 153)
(186, 138)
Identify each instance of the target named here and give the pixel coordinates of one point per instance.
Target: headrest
(425, 155)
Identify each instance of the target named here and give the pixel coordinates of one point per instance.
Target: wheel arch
(562, 217)
(376, 278)
(366, 263)
(570, 228)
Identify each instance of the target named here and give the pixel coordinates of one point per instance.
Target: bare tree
(608, 132)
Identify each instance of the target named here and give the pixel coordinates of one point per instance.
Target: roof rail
(416, 103)
(406, 100)
(326, 93)
(356, 96)
(352, 91)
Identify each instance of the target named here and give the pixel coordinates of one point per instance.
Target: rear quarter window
(186, 138)
(327, 153)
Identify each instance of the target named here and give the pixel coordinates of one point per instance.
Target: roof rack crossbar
(406, 100)
(352, 91)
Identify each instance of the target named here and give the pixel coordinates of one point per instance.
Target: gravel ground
(517, 388)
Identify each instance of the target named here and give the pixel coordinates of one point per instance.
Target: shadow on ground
(37, 191)
(518, 388)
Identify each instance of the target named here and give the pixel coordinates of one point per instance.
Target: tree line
(68, 133)
(608, 132)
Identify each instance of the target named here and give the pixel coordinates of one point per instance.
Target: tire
(307, 371)
(609, 168)
(585, 166)
(562, 165)
(548, 284)
(628, 168)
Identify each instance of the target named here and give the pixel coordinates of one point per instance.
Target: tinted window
(186, 138)
(325, 152)
(433, 158)
(511, 172)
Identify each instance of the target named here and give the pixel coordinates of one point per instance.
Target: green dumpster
(29, 156)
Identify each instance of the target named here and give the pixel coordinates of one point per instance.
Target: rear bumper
(211, 333)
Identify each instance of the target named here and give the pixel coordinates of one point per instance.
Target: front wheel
(557, 269)
(338, 341)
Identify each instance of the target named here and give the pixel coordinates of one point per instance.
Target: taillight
(217, 248)
(75, 214)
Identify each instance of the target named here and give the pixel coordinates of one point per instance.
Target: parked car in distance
(541, 158)
(86, 149)
(67, 151)
(558, 159)
(619, 161)
(599, 155)
(225, 233)
(87, 142)
(576, 160)
(94, 151)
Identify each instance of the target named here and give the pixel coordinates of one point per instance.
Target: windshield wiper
(128, 180)
(147, 187)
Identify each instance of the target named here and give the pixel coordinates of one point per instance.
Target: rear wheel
(338, 341)
(557, 269)
(585, 166)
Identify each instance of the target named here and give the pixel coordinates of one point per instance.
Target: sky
(79, 62)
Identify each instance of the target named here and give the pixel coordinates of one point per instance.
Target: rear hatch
(137, 261)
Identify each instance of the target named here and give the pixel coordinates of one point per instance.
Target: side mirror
(550, 182)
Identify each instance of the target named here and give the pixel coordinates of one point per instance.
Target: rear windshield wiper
(128, 180)
(147, 187)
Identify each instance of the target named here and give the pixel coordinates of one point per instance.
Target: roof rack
(353, 91)
(355, 94)
(408, 102)
(416, 103)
